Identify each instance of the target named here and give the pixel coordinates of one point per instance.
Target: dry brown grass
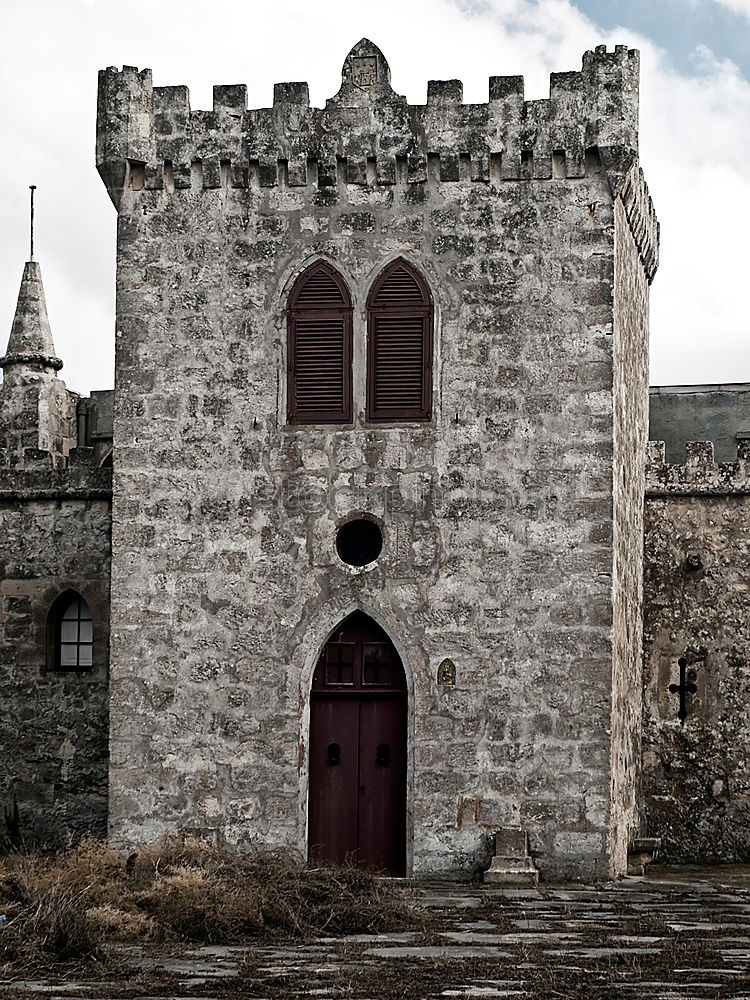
(64, 906)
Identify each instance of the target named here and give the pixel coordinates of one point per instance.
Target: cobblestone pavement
(680, 934)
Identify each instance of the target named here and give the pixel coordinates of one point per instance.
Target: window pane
(68, 655)
(377, 664)
(69, 631)
(74, 636)
(346, 652)
(339, 663)
(72, 609)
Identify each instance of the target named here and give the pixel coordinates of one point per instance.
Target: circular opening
(359, 542)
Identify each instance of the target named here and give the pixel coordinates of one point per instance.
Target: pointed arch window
(70, 633)
(319, 366)
(399, 345)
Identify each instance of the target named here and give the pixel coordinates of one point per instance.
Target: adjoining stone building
(377, 468)
(55, 524)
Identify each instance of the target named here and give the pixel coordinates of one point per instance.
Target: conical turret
(30, 347)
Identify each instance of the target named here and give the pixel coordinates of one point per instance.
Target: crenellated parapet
(148, 137)
(700, 475)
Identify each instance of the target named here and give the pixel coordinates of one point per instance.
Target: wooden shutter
(399, 351)
(319, 369)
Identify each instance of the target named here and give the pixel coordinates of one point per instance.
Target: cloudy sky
(695, 131)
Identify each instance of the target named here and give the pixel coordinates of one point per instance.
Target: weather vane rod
(32, 188)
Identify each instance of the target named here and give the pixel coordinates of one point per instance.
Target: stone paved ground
(680, 934)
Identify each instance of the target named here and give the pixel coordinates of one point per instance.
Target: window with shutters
(319, 371)
(399, 346)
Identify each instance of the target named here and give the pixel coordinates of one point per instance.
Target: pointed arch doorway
(358, 721)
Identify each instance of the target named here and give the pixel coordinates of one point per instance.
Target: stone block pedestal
(512, 863)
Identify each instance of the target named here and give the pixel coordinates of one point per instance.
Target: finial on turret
(32, 189)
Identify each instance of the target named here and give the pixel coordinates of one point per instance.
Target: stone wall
(696, 774)
(54, 535)
(37, 414)
(629, 450)
(497, 514)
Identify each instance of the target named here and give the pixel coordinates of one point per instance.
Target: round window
(359, 542)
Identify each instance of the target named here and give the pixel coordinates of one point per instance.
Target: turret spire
(30, 342)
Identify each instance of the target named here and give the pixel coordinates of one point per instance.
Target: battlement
(700, 475)
(149, 137)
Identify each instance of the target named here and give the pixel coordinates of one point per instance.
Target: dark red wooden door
(357, 805)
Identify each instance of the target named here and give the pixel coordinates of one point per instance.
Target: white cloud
(695, 139)
(738, 6)
(696, 144)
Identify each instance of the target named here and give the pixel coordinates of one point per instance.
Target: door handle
(383, 754)
(334, 754)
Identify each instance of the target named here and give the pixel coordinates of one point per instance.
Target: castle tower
(379, 432)
(36, 408)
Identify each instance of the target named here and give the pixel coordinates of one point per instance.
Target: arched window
(70, 633)
(319, 384)
(399, 345)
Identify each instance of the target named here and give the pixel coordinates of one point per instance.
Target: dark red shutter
(319, 383)
(399, 353)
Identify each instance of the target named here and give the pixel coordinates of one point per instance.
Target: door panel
(334, 773)
(382, 784)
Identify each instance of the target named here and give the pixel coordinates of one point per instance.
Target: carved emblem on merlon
(364, 71)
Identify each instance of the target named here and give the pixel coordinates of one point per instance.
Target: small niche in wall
(693, 566)
(446, 673)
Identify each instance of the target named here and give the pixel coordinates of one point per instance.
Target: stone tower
(505, 585)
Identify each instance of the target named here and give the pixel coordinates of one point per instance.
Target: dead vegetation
(65, 906)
